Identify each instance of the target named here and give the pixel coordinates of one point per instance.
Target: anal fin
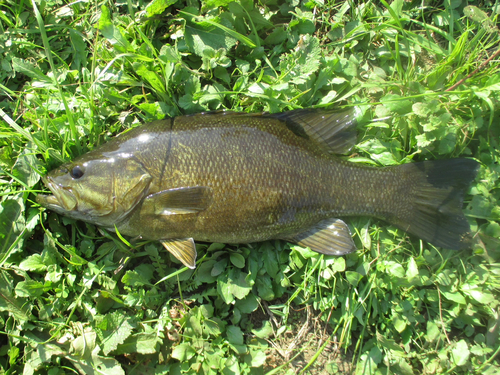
(330, 236)
(183, 249)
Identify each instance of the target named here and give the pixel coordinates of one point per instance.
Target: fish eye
(76, 172)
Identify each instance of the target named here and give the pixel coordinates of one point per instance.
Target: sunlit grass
(75, 74)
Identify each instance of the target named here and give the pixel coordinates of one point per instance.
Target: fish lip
(61, 199)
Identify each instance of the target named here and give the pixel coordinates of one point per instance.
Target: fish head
(101, 190)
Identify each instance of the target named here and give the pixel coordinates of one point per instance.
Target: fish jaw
(61, 201)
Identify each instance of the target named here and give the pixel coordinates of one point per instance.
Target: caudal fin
(437, 189)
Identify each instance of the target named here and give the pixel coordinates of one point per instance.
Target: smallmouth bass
(241, 178)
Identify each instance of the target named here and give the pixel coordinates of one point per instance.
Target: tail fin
(437, 189)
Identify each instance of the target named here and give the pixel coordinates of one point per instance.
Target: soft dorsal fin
(183, 249)
(186, 200)
(330, 236)
(335, 130)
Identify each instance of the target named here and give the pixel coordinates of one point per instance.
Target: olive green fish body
(237, 178)
(265, 181)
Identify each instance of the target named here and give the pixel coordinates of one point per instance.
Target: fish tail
(433, 210)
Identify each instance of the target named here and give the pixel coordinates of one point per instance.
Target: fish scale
(240, 178)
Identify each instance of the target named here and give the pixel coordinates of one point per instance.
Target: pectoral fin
(183, 249)
(331, 237)
(178, 201)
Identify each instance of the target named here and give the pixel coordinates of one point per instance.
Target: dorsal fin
(335, 130)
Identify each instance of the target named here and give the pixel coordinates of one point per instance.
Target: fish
(236, 178)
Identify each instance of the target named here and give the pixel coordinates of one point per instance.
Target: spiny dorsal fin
(186, 200)
(330, 236)
(183, 249)
(335, 130)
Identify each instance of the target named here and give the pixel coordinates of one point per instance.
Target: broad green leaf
(237, 260)
(105, 24)
(158, 6)
(193, 326)
(80, 51)
(140, 276)
(14, 306)
(219, 267)
(248, 305)
(366, 365)
(204, 272)
(234, 335)
(479, 295)
(395, 269)
(376, 355)
(200, 37)
(460, 353)
(305, 252)
(384, 152)
(111, 32)
(247, 41)
(233, 285)
(183, 352)
(30, 70)
(12, 227)
(231, 367)
(483, 208)
(388, 343)
(448, 143)
(277, 36)
(433, 331)
(33, 263)
(421, 109)
(264, 288)
(25, 169)
(215, 246)
(216, 3)
(143, 343)
(397, 103)
(206, 311)
(45, 351)
(256, 358)
(443, 278)
(169, 54)
(412, 271)
(402, 367)
(113, 329)
(399, 323)
(353, 277)
(300, 64)
(92, 363)
(212, 327)
(271, 263)
(150, 77)
(454, 296)
(30, 288)
(133, 278)
(32, 364)
(478, 15)
(265, 331)
(338, 265)
(83, 345)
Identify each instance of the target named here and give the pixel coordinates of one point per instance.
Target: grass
(77, 299)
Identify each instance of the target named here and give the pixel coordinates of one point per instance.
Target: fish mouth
(62, 199)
